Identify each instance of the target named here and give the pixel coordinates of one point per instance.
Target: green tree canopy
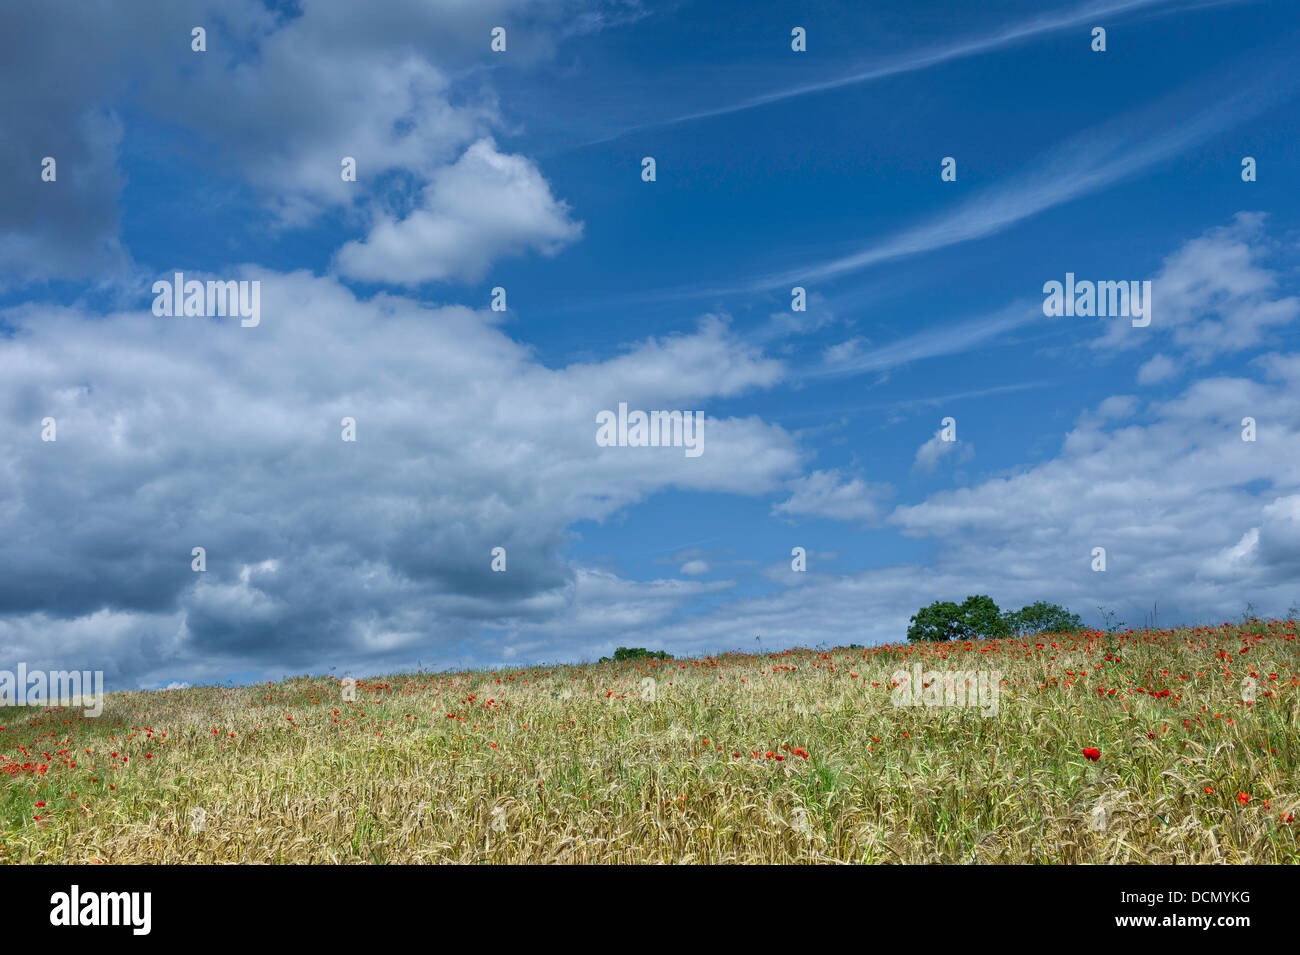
(979, 616)
(637, 653)
(1043, 617)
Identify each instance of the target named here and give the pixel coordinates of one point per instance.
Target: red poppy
(1092, 753)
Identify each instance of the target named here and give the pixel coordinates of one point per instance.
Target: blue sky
(521, 169)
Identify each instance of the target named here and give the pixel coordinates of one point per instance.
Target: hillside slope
(801, 756)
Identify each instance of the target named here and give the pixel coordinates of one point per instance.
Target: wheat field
(799, 756)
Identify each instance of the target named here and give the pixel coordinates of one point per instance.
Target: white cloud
(485, 206)
(1169, 497)
(1115, 408)
(1213, 295)
(695, 568)
(1166, 496)
(844, 351)
(276, 102)
(1156, 369)
(1272, 547)
(1279, 535)
(933, 451)
(367, 553)
(1232, 561)
(493, 448)
(828, 494)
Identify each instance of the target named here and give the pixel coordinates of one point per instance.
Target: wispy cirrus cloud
(1086, 163)
(931, 343)
(1083, 164)
(935, 55)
